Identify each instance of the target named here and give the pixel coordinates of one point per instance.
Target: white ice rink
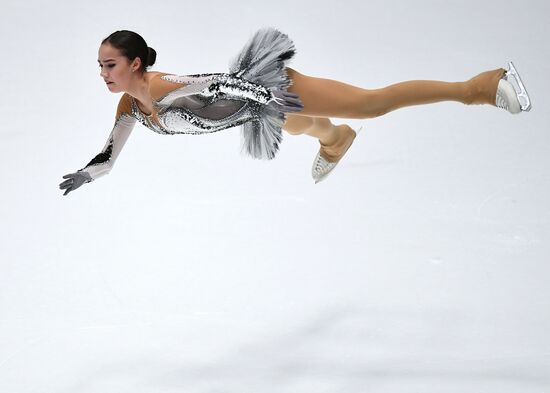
(421, 265)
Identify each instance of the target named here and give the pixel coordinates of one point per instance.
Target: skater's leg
(297, 125)
(330, 98)
(334, 139)
(318, 127)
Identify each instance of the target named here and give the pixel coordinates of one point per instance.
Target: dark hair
(132, 45)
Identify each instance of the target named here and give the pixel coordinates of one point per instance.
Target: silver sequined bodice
(213, 109)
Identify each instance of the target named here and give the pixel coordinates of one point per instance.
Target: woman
(263, 95)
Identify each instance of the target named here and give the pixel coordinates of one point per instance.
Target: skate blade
(523, 97)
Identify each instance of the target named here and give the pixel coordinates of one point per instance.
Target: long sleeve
(210, 85)
(169, 87)
(102, 163)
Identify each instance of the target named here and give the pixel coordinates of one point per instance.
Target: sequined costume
(253, 95)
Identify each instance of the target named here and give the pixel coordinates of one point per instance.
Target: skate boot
(325, 162)
(508, 97)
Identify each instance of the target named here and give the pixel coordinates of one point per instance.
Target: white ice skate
(508, 97)
(321, 167)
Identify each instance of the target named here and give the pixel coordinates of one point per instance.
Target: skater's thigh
(326, 97)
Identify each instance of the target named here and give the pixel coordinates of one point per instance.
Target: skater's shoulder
(124, 106)
(160, 87)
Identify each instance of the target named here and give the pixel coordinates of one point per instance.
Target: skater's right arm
(103, 162)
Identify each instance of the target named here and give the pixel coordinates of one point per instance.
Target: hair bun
(151, 56)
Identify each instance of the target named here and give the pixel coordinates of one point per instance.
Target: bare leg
(323, 98)
(334, 139)
(318, 127)
(329, 98)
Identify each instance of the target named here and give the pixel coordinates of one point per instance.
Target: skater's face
(116, 70)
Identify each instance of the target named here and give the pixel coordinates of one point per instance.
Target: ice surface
(420, 265)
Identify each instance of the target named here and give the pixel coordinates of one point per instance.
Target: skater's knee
(322, 123)
(373, 104)
(297, 125)
(294, 131)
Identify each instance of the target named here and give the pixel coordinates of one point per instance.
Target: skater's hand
(286, 101)
(75, 180)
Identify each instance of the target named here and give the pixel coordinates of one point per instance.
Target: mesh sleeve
(103, 162)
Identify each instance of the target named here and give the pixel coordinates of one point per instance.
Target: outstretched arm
(103, 162)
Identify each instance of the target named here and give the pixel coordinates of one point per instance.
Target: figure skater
(262, 95)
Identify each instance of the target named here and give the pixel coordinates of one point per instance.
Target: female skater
(263, 96)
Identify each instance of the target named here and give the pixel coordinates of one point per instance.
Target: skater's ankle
(334, 151)
(482, 88)
(331, 137)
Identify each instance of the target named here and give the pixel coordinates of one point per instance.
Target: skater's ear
(135, 64)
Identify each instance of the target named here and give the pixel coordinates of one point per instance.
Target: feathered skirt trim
(263, 60)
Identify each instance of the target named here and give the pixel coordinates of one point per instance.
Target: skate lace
(322, 165)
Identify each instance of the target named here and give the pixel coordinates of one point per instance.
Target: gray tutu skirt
(263, 61)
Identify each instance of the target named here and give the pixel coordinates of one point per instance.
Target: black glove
(75, 180)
